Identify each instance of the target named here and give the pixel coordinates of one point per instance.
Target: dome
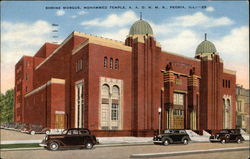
(141, 27)
(205, 47)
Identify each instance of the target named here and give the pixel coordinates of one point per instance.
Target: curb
(165, 154)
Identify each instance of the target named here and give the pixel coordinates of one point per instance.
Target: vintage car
(172, 136)
(34, 129)
(227, 135)
(74, 138)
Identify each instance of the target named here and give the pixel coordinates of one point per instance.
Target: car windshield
(223, 131)
(168, 131)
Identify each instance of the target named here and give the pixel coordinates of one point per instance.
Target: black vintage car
(75, 137)
(227, 135)
(172, 136)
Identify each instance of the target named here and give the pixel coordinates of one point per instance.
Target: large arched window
(110, 107)
(116, 64)
(115, 103)
(105, 62)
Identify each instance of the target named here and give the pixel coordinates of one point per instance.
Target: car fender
(185, 137)
(58, 141)
(167, 138)
(88, 139)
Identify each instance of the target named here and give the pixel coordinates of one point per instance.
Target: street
(123, 152)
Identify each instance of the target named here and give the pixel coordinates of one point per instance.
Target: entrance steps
(196, 137)
(192, 133)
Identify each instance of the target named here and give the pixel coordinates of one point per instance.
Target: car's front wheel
(238, 140)
(166, 142)
(185, 141)
(223, 141)
(32, 132)
(89, 145)
(53, 146)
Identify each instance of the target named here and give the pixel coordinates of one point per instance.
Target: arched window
(105, 62)
(116, 64)
(111, 63)
(115, 92)
(105, 91)
(115, 103)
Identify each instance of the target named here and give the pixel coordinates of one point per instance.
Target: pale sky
(25, 26)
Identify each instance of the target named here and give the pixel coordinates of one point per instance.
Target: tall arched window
(115, 104)
(116, 64)
(110, 107)
(105, 117)
(105, 62)
(111, 63)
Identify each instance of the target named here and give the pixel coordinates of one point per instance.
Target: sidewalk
(114, 140)
(123, 140)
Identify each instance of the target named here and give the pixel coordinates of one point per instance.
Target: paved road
(123, 152)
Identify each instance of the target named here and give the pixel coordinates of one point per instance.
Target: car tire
(185, 141)
(166, 143)
(32, 132)
(89, 145)
(238, 141)
(223, 141)
(53, 146)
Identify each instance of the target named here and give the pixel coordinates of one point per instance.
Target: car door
(82, 136)
(72, 138)
(176, 136)
(233, 135)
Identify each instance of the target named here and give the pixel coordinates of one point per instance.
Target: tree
(6, 106)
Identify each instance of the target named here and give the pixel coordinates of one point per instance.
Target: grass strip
(7, 146)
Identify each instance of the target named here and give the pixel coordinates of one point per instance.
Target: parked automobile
(35, 129)
(227, 135)
(74, 137)
(172, 136)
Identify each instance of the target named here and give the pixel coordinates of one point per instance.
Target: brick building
(116, 88)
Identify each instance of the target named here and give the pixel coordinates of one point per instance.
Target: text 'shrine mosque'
(116, 89)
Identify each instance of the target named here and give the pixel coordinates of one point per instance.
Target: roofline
(232, 72)
(100, 41)
(56, 50)
(190, 58)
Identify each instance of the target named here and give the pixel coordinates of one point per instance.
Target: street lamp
(159, 111)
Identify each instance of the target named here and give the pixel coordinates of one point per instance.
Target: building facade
(242, 111)
(124, 88)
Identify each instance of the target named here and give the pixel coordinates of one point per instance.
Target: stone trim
(229, 71)
(52, 81)
(180, 91)
(100, 41)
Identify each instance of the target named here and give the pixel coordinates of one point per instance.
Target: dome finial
(205, 36)
(140, 15)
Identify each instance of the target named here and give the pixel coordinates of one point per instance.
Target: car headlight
(45, 138)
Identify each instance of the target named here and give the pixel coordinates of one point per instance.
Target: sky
(178, 26)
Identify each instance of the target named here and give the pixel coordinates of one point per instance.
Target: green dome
(141, 27)
(205, 47)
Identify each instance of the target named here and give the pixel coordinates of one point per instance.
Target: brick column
(193, 91)
(168, 95)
